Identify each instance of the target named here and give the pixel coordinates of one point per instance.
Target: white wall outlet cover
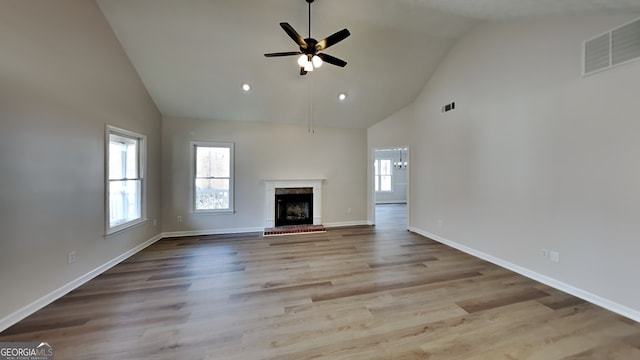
(544, 253)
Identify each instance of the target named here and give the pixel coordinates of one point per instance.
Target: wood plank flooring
(350, 293)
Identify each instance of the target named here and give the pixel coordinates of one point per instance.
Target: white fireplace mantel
(273, 184)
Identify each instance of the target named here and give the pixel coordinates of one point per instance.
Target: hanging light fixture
(302, 60)
(317, 61)
(308, 66)
(309, 62)
(400, 165)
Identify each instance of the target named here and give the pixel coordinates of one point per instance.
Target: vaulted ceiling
(194, 55)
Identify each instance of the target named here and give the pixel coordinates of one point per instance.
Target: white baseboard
(29, 309)
(346, 223)
(173, 234)
(585, 295)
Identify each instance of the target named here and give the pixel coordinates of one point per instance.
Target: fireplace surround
(279, 187)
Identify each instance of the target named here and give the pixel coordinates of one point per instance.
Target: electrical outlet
(554, 256)
(155, 222)
(348, 210)
(440, 222)
(544, 253)
(71, 257)
(179, 218)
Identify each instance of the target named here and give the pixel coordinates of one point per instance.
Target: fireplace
(311, 196)
(293, 206)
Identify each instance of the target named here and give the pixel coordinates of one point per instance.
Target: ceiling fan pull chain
(311, 122)
(313, 112)
(309, 105)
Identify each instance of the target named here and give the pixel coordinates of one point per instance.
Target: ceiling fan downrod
(310, 2)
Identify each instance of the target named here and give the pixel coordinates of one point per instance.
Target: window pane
(131, 165)
(377, 183)
(212, 194)
(123, 158)
(385, 183)
(385, 167)
(213, 161)
(115, 160)
(124, 201)
(376, 167)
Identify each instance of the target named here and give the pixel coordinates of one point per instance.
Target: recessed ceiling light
(246, 86)
(342, 96)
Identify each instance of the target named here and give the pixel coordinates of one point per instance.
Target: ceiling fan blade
(293, 34)
(287, 53)
(332, 60)
(332, 39)
(303, 71)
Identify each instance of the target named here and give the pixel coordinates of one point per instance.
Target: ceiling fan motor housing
(311, 46)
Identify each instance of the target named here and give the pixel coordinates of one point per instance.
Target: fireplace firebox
(293, 206)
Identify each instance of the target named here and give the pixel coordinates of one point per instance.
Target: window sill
(213, 212)
(122, 228)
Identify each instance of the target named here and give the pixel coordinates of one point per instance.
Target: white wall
(534, 156)
(393, 131)
(265, 151)
(63, 76)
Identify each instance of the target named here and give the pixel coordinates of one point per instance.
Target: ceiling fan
(310, 57)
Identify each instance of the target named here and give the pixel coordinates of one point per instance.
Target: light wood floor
(349, 293)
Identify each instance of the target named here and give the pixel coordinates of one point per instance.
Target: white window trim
(192, 177)
(142, 168)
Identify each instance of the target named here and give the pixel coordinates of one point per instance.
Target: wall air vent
(449, 107)
(612, 48)
(597, 54)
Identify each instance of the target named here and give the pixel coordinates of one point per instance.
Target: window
(382, 168)
(125, 182)
(212, 177)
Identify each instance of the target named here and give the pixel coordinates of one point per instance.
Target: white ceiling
(194, 55)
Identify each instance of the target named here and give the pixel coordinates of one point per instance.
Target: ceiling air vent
(612, 48)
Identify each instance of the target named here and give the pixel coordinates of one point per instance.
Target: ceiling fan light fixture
(317, 61)
(302, 60)
(308, 66)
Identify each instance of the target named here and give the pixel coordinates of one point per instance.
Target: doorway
(391, 187)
